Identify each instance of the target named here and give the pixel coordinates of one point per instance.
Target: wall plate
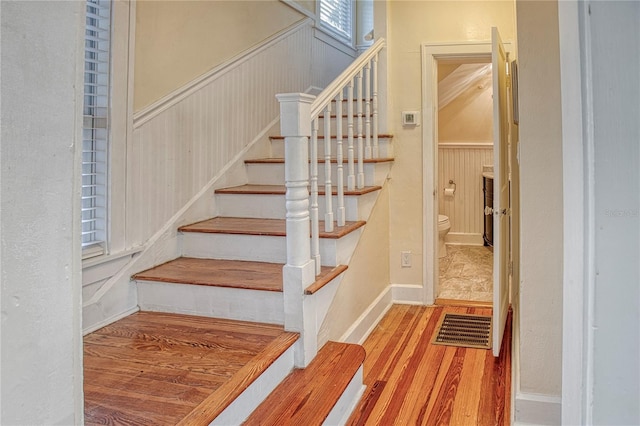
(410, 118)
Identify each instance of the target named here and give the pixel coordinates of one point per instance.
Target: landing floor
(155, 369)
(412, 382)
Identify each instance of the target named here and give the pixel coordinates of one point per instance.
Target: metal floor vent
(468, 331)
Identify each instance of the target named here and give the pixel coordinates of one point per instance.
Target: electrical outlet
(405, 259)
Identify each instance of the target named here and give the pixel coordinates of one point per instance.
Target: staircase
(262, 262)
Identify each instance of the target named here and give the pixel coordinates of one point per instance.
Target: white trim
(430, 53)
(327, 37)
(406, 294)
(575, 366)
(294, 5)
(172, 222)
(466, 145)
(364, 325)
(533, 409)
(146, 114)
(90, 263)
(464, 239)
(109, 320)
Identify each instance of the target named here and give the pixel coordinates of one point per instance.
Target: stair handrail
(340, 82)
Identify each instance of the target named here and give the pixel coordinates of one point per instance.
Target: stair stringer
(115, 297)
(316, 307)
(367, 277)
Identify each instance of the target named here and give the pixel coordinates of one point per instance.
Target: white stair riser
(208, 301)
(343, 408)
(262, 248)
(385, 147)
(273, 206)
(256, 392)
(273, 174)
(335, 252)
(345, 125)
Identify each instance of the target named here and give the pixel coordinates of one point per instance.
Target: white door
(500, 191)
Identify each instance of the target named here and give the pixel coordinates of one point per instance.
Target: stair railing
(357, 87)
(300, 116)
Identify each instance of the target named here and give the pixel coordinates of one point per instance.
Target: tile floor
(466, 273)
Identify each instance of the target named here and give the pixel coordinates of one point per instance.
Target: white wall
(42, 51)
(465, 209)
(540, 331)
(615, 39)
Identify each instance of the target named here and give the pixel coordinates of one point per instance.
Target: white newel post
(299, 272)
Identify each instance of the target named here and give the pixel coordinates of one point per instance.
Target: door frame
(431, 52)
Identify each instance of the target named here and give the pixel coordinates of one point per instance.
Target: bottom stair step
(324, 392)
(159, 368)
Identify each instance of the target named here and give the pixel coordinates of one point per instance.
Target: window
(336, 16)
(95, 131)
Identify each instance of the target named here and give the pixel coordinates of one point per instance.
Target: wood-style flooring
(160, 369)
(412, 382)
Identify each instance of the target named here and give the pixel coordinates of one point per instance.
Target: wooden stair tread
(327, 273)
(307, 395)
(355, 136)
(320, 160)
(280, 190)
(219, 273)
(157, 368)
(255, 226)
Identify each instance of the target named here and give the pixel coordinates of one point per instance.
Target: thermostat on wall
(410, 118)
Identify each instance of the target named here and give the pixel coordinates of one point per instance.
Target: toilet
(443, 229)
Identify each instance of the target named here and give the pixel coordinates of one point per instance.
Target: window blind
(337, 15)
(95, 130)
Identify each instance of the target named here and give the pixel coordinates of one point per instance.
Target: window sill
(105, 258)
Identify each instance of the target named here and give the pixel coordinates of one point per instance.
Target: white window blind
(337, 16)
(95, 132)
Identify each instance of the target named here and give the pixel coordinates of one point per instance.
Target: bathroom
(465, 177)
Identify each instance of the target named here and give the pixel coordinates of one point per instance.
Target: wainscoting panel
(463, 163)
(181, 146)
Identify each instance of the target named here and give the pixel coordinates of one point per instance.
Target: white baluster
(340, 212)
(360, 153)
(367, 111)
(315, 233)
(328, 204)
(351, 172)
(376, 147)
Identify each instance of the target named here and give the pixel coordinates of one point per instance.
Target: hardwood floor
(412, 382)
(155, 369)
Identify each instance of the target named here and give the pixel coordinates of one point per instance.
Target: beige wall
(541, 198)
(367, 276)
(177, 41)
(410, 24)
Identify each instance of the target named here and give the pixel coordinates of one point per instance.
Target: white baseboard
(460, 238)
(364, 325)
(533, 409)
(109, 320)
(407, 294)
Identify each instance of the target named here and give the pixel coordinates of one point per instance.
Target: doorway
(434, 184)
(464, 162)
